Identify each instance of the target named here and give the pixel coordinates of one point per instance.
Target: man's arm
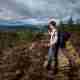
(45, 44)
(52, 42)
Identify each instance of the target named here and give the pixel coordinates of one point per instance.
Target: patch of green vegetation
(25, 35)
(70, 26)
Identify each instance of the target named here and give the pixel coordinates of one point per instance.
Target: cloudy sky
(60, 9)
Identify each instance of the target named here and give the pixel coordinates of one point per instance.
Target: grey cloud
(56, 8)
(19, 9)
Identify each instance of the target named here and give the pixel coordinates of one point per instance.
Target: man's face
(51, 26)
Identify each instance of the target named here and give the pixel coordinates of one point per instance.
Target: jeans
(51, 53)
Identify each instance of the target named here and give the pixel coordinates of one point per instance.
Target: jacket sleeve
(54, 38)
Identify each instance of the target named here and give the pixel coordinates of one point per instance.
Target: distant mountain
(32, 24)
(30, 21)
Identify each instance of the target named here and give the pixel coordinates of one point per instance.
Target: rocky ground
(20, 63)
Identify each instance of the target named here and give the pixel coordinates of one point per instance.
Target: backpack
(63, 37)
(67, 35)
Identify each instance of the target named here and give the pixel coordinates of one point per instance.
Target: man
(53, 33)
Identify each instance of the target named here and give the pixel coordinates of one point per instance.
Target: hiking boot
(47, 65)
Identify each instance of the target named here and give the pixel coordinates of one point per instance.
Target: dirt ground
(20, 63)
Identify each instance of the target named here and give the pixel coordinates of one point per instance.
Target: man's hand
(34, 45)
(39, 45)
(45, 45)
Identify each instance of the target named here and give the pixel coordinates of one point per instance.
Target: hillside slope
(20, 63)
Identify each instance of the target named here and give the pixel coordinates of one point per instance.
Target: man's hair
(53, 23)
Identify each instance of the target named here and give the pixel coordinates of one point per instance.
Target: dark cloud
(1, 10)
(19, 9)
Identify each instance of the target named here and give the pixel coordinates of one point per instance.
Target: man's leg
(56, 59)
(50, 58)
(50, 55)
